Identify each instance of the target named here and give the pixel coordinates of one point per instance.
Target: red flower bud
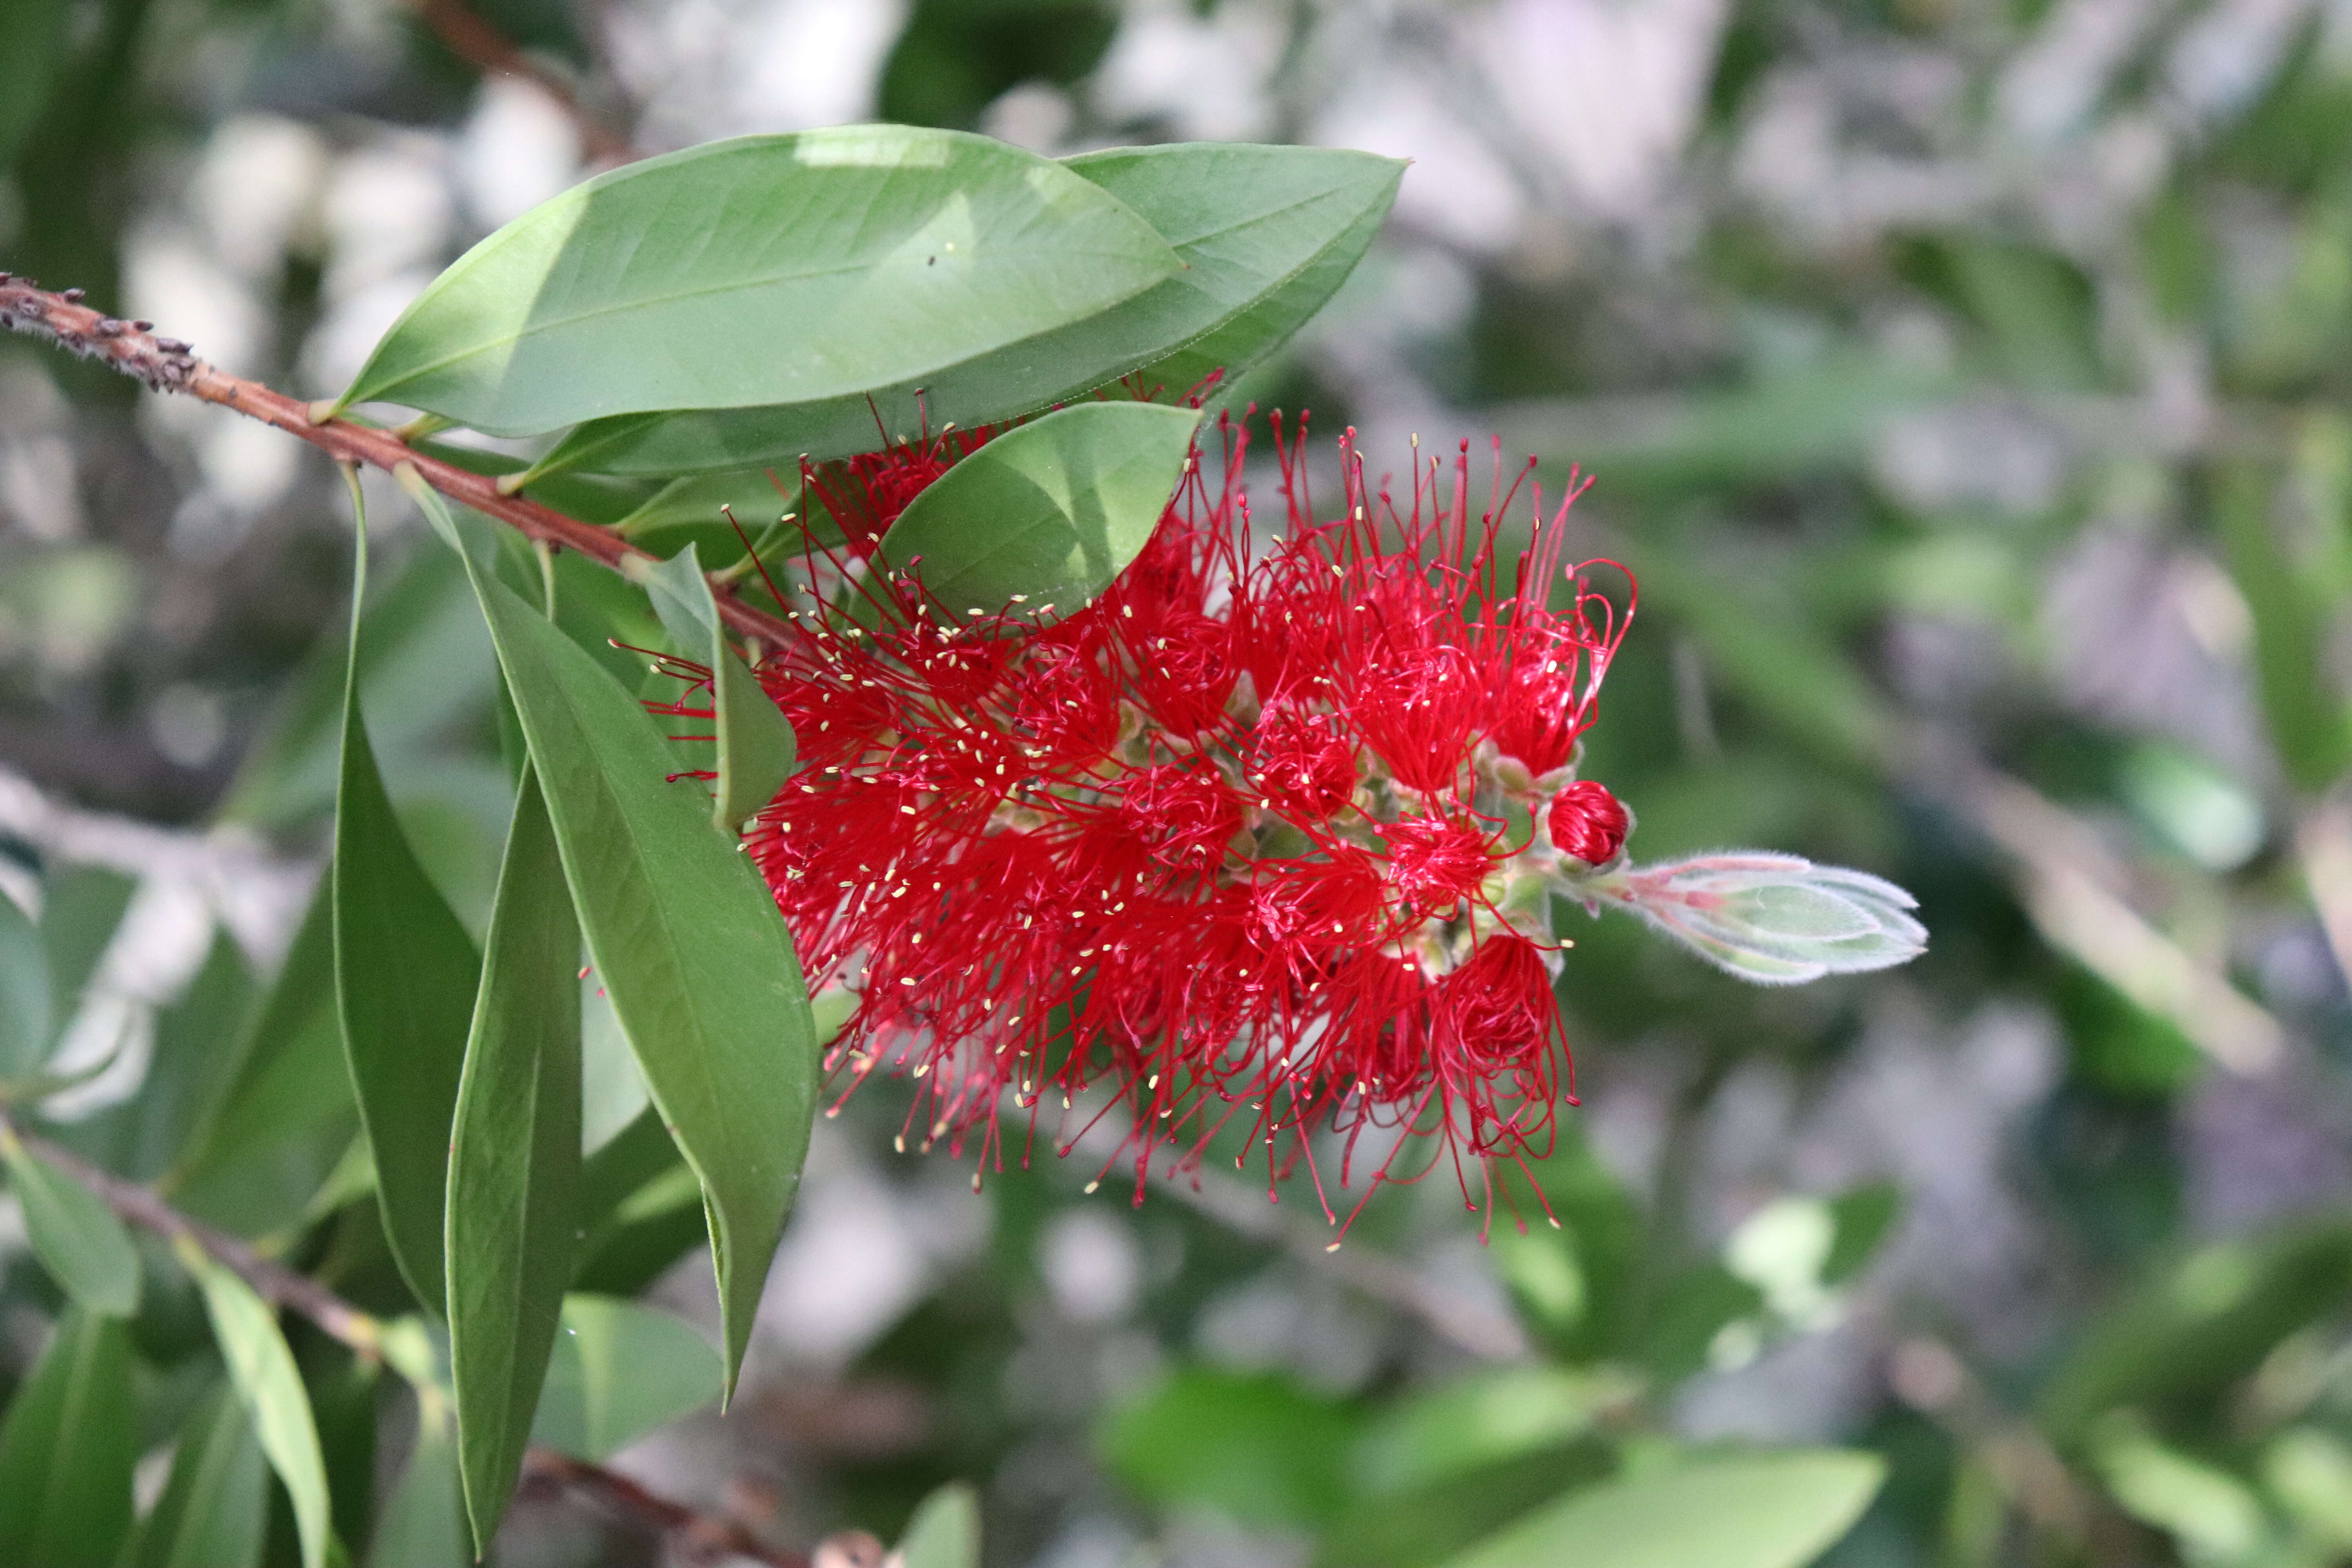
(1588, 823)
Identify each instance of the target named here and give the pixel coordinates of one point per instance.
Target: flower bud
(1588, 823)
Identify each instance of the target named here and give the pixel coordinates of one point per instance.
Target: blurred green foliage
(1945, 445)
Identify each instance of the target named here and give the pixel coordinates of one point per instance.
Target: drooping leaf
(66, 1450)
(406, 976)
(24, 1002)
(755, 745)
(76, 1237)
(514, 1165)
(424, 1521)
(945, 1530)
(214, 1509)
(1044, 516)
(620, 1371)
(766, 270)
(1267, 235)
(1770, 1511)
(689, 944)
(261, 1369)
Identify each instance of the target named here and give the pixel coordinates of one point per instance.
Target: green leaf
(1259, 1447)
(80, 908)
(691, 507)
(1279, 228)
(213, 1511)
(945, 1530)
(187, 1072)
(2309, 724)
(426, 671)
(755, 740)
(67, 1449)
(1048, 513)
(25, 1005)
(76, 1237)
(689, 943)
(262, 1370)
(29, 68)
(641, 1210)
(1864, 1216)
(514, 1165)
(762, 271)
(288, 1116)
(1481, 1420)
(2200, 1323)
(406, 976)
(619, 1372)
(1266, 235)
(424, 1521)
(1772, 1511)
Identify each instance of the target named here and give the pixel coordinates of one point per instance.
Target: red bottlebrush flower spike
(1250, 841)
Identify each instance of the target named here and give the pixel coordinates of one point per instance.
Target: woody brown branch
(713, 1538)
(168, 364)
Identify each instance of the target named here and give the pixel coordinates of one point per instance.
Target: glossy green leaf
(262, 1370)
(1258, 1447)
(619, 1372)
(514, 1165)
(945, 1530)
(214, 1509)
(424, 1521)
(76, 1235)
(1266, 235)
(697, 962)
(1044, 516)
(1773, 1510)
(1276, 228)
(66, 1450)
(24, 1003)
(406, 976)
(762, 271)
(755, 746)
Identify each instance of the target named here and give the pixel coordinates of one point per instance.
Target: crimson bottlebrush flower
(1257, 839)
